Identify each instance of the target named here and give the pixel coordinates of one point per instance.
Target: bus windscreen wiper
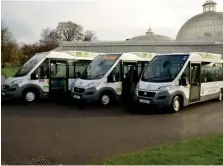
(100, 75)
(151, 78)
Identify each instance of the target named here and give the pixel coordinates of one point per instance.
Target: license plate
(3, 93)
(76, 97)
(144, 101)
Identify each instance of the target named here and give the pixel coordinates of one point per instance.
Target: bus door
(58, 83)
(130, 77)
(195, 77)
(140, 68)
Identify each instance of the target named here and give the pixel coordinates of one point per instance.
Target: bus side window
(61, 70)
(58, 70)
(116, 72)
(186, 73)
(43, 70)
(139, 66)
(211, 74)
(195, 77)
(80, 66)
(125, 71)
(71, 69)
(203, 77)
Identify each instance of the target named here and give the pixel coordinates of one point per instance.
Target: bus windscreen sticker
(184, 58)
(73, 84)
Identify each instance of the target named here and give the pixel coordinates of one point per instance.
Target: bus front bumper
(160, 99)
(10, 92)
(87, 95)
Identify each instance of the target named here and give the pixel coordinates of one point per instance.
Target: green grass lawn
(8, 71)
(202, 151)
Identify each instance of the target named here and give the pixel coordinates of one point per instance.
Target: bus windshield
(99, 66)
(29, 65)
(164, 68)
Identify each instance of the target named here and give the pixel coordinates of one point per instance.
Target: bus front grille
(146, 94)
(79, 90)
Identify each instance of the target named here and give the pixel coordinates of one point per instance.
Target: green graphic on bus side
(45, 87)
(78, 53)
(118, 89)
(209, 56)
(147, 55)
(218, 65)
(85, 54)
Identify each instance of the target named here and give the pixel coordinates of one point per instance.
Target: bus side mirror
(183, 81)
(34, 76)
(110, 79)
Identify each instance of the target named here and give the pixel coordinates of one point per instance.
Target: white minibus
(109, 76)
(48, 73)
(180, 79)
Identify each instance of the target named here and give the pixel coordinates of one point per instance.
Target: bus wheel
(220, 97)
(176, 104)
(29, 96)
(105, 99)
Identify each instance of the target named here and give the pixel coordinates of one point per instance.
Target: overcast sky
(110, 19)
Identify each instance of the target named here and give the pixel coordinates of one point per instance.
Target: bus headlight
(137, 86)
(163, 88)
(16, 81)
(92, 85)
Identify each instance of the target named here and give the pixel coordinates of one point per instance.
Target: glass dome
(207, 26)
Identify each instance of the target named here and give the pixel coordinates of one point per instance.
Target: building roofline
(129, 43)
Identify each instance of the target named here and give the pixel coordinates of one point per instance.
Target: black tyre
(176, 104)
(30, 95)
(220, 97)
(106, 99)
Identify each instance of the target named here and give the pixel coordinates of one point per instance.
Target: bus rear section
(177, 80)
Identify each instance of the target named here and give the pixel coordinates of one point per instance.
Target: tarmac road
(68, 135)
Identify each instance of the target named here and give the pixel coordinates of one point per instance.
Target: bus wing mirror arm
(34, 76)
(183, 81)
(110, 79)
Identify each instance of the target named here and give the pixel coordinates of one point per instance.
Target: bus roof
(144, 55)
(76, 55)
(137, 56)
(207, 55)
(82, 54)
(133, 56)
(199, 56)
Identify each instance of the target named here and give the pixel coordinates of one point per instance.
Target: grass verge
(8, 71)
(202, 151)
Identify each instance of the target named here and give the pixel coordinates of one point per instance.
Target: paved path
(68, 135)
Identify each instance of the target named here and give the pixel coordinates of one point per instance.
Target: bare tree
(49, 37)
(89, 36)
(44, 36)
(70, 31)
(16, 56)
(7, 43)
(6, 35)
(54, 36)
